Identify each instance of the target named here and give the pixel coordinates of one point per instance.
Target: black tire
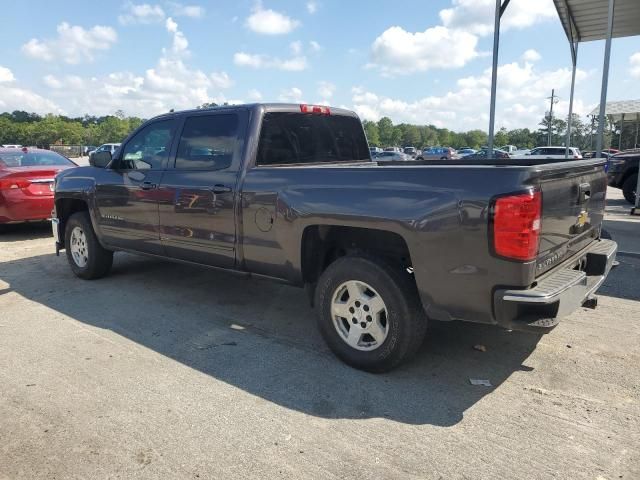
(99, 260)
(629, 188)
(405, 319)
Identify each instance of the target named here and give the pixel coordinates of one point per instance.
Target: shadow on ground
(260, 337)
(25, 231)
(624, 280)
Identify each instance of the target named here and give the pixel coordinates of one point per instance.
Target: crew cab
(290, 192)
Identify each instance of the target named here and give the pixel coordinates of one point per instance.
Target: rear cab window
(289, 138)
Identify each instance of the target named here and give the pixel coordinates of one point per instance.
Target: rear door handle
(147, 185)
(220, 189)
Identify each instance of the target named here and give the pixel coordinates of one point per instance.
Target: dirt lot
(169, 371)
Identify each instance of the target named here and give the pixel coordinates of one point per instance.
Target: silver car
(393, 156)
(439, 153)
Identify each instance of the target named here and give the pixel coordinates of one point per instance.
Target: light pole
(553, 99)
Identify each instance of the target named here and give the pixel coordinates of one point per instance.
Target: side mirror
(100, 159)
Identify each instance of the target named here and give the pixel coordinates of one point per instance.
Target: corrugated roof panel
(629, 108)
(590, 17)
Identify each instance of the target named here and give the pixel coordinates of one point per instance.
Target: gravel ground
(169, 371)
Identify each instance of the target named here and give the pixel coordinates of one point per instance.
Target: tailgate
(573, 201)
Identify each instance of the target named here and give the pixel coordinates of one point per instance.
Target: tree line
(19, 127)
(35, 130)
(384, 133)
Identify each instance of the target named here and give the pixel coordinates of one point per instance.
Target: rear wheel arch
(322, 245)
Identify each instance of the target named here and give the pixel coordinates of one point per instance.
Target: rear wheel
(369, 313)
(87, 258)
(629, 188)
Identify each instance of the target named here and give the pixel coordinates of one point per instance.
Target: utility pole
(553, 99)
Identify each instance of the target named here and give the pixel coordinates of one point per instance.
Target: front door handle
(217, 189)
(147, 185)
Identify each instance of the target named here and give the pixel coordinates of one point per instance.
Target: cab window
(208, 142)
(149, 148)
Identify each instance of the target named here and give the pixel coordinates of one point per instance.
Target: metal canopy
(626, 110)
(588, 19)
(583, 21)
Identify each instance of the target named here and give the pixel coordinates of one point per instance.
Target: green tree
(501, 138)
(372, 133)
(410, 135)
(385, 130)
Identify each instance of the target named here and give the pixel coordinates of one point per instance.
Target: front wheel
(629, 188)
(369, 313)
(87, 258)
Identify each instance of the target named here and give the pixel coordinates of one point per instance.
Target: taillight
(13, 183)
(318, 109)
(516, 225)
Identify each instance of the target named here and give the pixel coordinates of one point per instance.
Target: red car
(26, 177)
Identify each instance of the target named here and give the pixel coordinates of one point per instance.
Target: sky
(415, 61)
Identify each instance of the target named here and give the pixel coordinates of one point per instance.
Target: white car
(105, 147)
(393, 156)
(553, 153)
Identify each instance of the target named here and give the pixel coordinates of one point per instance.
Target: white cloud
(181, 10)
(73, 44)
(221, 80)
(13, 97)
(453, 43)
(315, 46)
(477, 16)
(312, 7)
(326, 90)
(143, 13)
(291, 95)
(270, 22)
(170, 83)
(296, 47)
(180, 44)
(254, 95)
(258, 61)
(52, 81)
(531, 55)
(522, 92)
(634, 65)
(398, 52)
(6, 75)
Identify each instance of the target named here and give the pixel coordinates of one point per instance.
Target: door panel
(197, 218)
(197, 195)
(128, 214)
(127, 195)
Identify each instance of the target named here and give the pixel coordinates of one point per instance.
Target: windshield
(32, 159)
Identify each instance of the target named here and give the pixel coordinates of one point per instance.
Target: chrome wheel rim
(359, 315)
(78, 246)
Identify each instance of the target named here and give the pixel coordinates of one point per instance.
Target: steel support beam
(494, 74)
(574, 41)
(605, 79)
(574, 60)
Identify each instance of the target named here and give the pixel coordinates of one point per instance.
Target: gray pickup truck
(290, 192)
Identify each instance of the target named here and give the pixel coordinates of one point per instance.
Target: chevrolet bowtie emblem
(583, 218)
